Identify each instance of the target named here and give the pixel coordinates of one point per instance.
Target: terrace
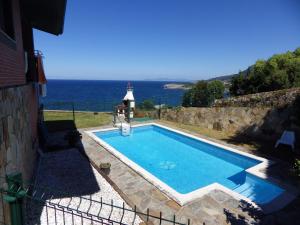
(215, 207)
(53, 171)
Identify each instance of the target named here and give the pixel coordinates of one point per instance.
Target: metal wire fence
(106, 105)
(41, 207)
(69, 111)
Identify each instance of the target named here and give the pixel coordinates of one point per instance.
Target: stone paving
(71, 182)
(216, 207)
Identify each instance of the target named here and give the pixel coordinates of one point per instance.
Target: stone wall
(253, 121)
(17, 142)
(279, 98)
(149, 114)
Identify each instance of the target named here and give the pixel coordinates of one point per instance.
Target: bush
(147, 104)
(139, 114)
(187, 98)
(203, 94)
(165, 106)
(216, 89)
(278, 72)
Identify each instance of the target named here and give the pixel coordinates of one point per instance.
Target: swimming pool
(186, 167)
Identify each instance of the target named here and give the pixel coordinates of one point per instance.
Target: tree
(259, 67)
(187, 98)
(203, 94)
(147, 104)
(278, 72)
(280, 80)
(297, 52)
(236, 87)
(216, 89)
(293, 71)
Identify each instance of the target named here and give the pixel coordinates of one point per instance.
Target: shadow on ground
(235, 219)
(263, 139)
(62, 173)
(71, 176)
(60, 125)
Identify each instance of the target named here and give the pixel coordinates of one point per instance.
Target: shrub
(139, 114)
(203, 94)
(216, 88)
(278, 72)
(147, 104)
(187, 98)
(297, 167)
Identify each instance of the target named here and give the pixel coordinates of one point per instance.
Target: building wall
(18, 142)
(18, 103)
(12, 67)
(12, 63)
(18, 100)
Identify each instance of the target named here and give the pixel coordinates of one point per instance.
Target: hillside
(227, 78)
(223, 78)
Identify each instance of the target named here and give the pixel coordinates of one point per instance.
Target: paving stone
(145, 203)
(159, 195)
(219, 196)
(155, 213)
(146, 223)
(56, 172)
(208, 209)
(172, 204)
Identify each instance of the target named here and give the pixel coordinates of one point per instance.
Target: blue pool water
(187, 164)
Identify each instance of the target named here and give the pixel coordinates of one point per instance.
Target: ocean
(102, 95)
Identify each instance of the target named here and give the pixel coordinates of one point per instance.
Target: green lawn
(82, 119)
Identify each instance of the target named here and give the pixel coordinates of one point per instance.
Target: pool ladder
(125, 128)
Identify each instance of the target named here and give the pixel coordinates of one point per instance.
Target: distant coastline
(177, 86)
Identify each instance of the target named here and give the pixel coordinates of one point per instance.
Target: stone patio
(67, 179)
(216, 207)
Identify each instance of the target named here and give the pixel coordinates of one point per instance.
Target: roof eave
(46, 15)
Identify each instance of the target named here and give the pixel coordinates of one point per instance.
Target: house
(19, 80)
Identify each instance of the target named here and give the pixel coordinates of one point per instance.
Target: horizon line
(161, 80)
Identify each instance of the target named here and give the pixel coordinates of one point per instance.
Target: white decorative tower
(129, 102)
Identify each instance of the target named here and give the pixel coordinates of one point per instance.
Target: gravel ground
(72, 183)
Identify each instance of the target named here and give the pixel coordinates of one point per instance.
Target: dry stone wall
(277, 99)
(17, 146)
(264, 114)
(252, 121)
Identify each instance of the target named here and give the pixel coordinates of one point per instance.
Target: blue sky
(167, 39)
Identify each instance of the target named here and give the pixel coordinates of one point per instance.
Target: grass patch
(253, 145)
(211, 133)
(82, 119)
(200, 130)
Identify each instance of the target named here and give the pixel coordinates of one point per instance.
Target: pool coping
(183, 199)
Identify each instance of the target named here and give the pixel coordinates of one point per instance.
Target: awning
(40, 69)
(45, 15)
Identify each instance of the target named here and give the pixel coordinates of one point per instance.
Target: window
(6, 19)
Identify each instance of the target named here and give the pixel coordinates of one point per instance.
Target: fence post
(159, 109)
(73, 110)
(41, 113)
(14, 197)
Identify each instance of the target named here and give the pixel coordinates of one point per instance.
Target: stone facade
(253, 121)
(279, 98)
(18, 144)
